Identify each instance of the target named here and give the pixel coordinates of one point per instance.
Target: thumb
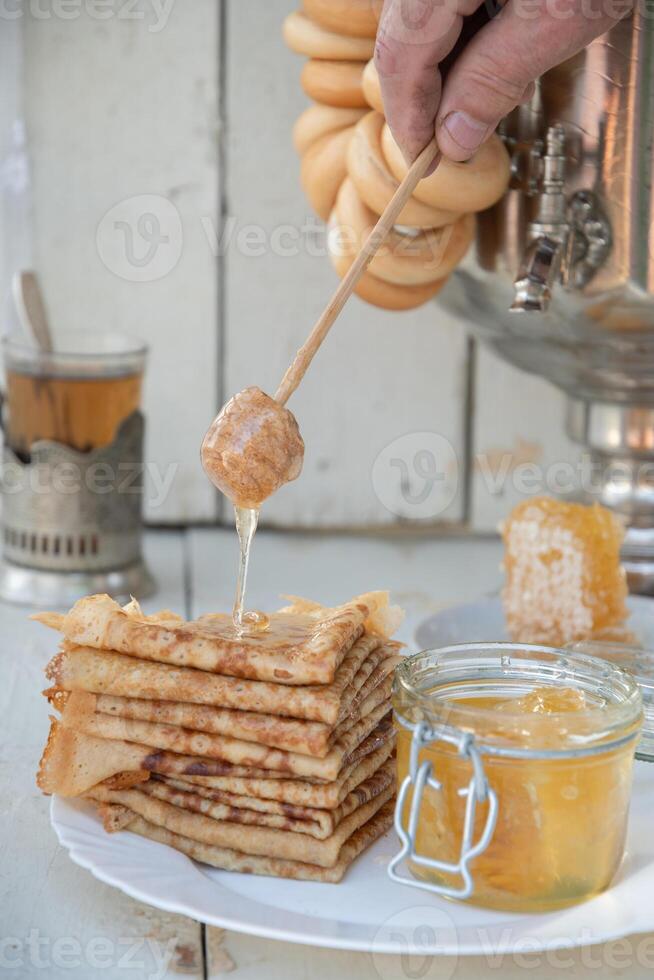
(497, 69)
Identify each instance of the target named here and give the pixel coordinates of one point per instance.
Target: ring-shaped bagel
(385, 295)
(372, 87)
(359, 18)
(376, 184)
(323, 169)
(403, 259)
(318, 120)
(305, 36)
(336, 83)
(471, 186)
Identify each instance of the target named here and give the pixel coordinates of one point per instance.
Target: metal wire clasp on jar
(514, 769)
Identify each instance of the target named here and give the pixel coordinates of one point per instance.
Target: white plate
(484, 620)
(366, 911)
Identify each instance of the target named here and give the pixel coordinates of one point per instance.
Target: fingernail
(467, 132)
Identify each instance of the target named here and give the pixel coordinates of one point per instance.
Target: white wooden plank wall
(122, 113)
(127, 109)
(15, 223)
(519, 445)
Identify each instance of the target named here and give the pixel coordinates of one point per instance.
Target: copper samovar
(561, 282)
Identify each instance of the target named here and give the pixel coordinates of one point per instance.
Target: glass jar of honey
(514, 767)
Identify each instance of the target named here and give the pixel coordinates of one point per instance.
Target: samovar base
(619, 441)
(52, 590)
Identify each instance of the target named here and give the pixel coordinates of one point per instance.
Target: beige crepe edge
(297, 792)
(287, 735)
(79, 715)
(251, 839)
(107, 672)
(100, 622)
(311, 821)
(73, 762)
(229, 860)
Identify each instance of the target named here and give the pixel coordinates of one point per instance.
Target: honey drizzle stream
(246, 524)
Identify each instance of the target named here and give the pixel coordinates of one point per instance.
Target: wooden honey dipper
(372, 244)
(254, 445)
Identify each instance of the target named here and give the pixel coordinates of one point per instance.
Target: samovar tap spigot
(539, 270)
(544, 261)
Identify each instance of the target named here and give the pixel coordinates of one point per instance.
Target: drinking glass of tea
(71, 415)
(78, 394)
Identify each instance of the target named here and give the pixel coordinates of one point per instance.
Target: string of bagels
(351, 165)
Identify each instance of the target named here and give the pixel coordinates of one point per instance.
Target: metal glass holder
(421, 776)
(59, 544)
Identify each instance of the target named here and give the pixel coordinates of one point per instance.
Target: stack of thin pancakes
(269, 753)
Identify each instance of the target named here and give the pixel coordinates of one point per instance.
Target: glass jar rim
(605, 724)
(81, 347)
(637, 661)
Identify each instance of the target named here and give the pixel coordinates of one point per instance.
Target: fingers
(414, 36)
(497, 69)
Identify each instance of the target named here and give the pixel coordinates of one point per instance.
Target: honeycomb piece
(545, 701)
(564, 581)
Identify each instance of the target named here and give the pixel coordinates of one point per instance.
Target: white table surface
(57, 921)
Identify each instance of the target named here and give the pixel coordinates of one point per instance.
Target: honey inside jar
(556, 735)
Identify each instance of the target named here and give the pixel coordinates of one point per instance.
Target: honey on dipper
(252, 448)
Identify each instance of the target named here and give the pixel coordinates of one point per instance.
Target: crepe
(373, 671)
(293, 735)
(264, 793)
(289, 735)
(312, 821)
(120, 817)
(282, 816)
(115, 817)
(255, 840)
(304, 644)
(102, 672)
(79, 714)
(73, 761)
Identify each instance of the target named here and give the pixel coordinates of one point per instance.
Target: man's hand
(494, 73)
